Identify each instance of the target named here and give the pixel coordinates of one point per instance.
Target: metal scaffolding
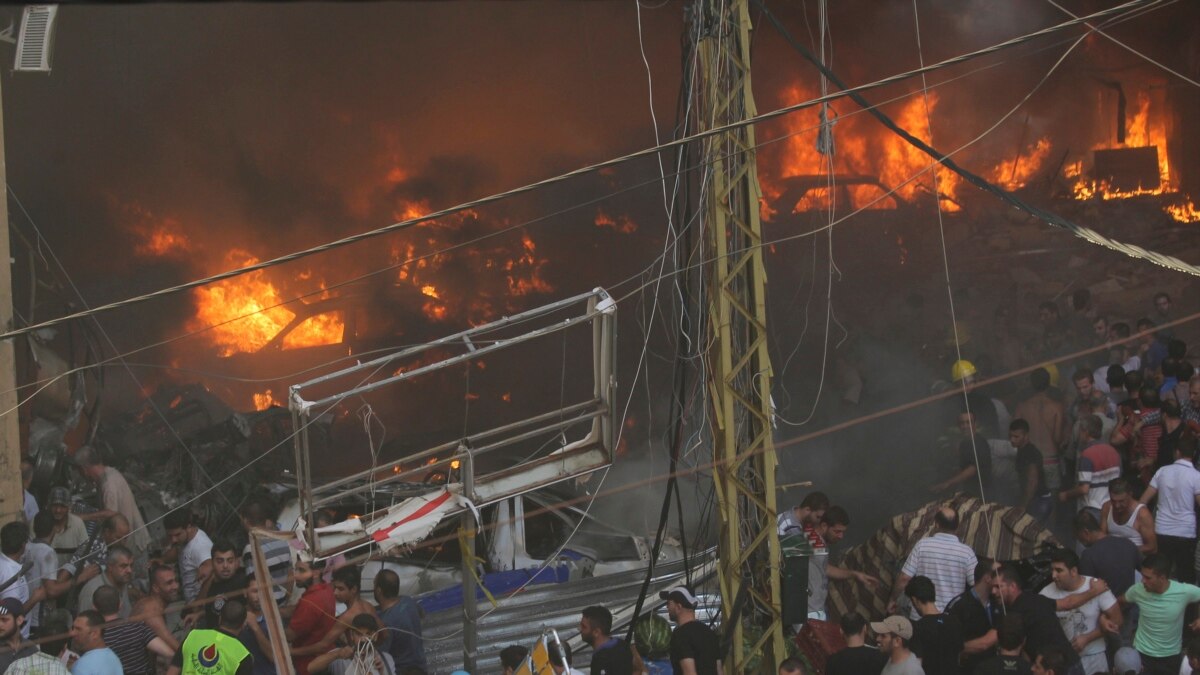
(739, 365)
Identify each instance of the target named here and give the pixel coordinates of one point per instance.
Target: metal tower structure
(738, 363)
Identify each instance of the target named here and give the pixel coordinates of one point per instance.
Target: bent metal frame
(558, 462)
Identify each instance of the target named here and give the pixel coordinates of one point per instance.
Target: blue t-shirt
(98, 662)
(262, 665)
(403, 641)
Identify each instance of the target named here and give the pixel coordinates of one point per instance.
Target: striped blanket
(993, 530)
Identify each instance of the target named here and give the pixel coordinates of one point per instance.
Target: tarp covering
(1012, 535)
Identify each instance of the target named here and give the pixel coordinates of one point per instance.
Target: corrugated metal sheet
(521, 618)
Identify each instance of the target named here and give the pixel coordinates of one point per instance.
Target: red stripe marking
(380, 535)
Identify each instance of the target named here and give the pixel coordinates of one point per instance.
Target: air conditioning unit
(36, 38)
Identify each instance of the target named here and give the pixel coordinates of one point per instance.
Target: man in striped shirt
(129, 640)
(1099, 465)
(259, 513)
(949, 563)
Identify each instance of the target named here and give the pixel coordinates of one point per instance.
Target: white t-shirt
(19, 589)
(1177, 485)
(43, 565)
(1084, 619)
(949, 564)
(194, 554)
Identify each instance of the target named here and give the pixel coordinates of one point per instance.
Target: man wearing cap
(11, 621)
(69, 531)
(893, 634)
(85, 562)
(115, 496)
(13, 538)
(695, 648)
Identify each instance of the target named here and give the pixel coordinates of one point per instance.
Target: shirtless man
(1122, 516)
(154, 609)
(346, 584)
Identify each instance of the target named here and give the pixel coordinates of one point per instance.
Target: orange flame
(1141, 131)
(623, 223)
(1185, 212)
(1015, 173)
(220, 304)
(265, 400)
(860, 153)
(161, 242)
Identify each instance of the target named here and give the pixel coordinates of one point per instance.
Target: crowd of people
(1109, 467)
(1105, 458)
(109, 602)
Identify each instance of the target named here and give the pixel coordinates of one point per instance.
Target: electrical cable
(506, 230)
(83, 301)
(715, 131)
(1085, 233)
(1126, 47)
(945, 254)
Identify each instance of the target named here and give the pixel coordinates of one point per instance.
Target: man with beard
(695, 648)
(256, 635)
(13, 647)
(118, 572)
(830, 530)
(610, 655)
(227, 578)
(314, 613)
(160, 609)
(347, 583)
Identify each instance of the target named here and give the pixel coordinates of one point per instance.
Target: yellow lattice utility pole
(739, 366)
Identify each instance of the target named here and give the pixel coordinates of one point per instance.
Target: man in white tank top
(1122, 516)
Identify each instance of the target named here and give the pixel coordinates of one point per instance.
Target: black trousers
(1182, 553)
(1161, 665)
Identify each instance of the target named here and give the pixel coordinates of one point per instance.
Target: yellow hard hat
(962, 368)
(1053, 370)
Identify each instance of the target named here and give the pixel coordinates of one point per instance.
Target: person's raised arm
(321, 663)
(1076, 600)
(159, 646)
(836, 572)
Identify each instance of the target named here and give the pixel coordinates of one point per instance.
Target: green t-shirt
(1160, 622)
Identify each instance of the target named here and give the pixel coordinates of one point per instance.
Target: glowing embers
(244, 317)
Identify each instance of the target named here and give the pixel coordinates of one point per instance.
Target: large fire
(475, 283)
(1147, 127)
(253, 297)
(868, 160)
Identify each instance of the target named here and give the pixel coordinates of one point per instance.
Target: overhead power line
(483, 201)
(1085, 233)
